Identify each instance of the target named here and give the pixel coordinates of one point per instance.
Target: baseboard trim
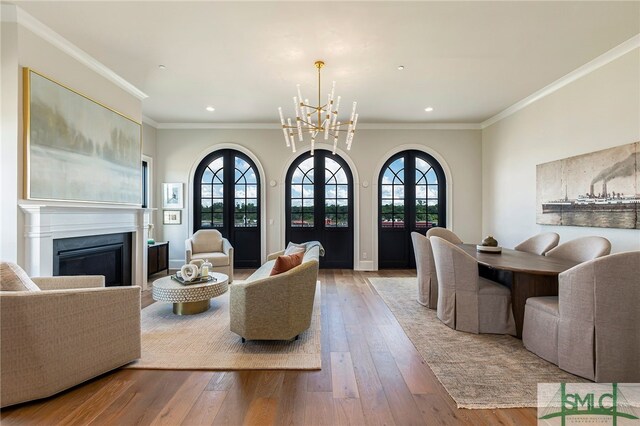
(365, 265)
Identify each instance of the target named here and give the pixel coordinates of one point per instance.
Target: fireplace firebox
(108, 255)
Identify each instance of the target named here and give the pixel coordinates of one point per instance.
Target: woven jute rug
(204, 342)
(478, 370)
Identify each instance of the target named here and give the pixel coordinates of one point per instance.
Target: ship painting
(599, 189)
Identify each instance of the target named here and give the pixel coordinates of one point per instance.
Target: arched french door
(412, 197)
(226, 193)
(319, 206)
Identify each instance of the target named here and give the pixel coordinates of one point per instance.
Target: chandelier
(318, 121)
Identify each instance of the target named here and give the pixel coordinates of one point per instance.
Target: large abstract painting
(600, 189)
(78, 149)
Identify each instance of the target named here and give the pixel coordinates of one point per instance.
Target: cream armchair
(591, 329)
(57, 332)
(209, 244)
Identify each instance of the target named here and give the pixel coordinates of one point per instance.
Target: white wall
(9, 153)
(22, 48)
(149, 151)
(179, 151)
(598, 111)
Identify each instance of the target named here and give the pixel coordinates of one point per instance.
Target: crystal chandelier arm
(327, 120)
(298, 122)
(335, 113)
(335, 141)
(350, 135)
(284, 127)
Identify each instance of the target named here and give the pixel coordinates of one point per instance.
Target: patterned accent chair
(57, 332)
(591, 329)
(211, 245)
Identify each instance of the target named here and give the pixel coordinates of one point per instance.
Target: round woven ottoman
(189, 299)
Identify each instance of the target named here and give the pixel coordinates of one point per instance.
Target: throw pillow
(14, 278)
(286, 262)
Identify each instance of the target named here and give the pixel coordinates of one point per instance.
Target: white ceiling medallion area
(474, 62)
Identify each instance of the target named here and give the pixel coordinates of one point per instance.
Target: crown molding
(276, 126)
(37, 27)
(600, 61)
(150, 121)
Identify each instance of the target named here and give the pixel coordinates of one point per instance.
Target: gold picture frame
(77, 149)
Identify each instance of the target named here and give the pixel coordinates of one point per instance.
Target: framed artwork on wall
(172, 217)
(172, 195)
(598, 189)
(77, 149)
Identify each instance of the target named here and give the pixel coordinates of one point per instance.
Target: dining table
(526, 274)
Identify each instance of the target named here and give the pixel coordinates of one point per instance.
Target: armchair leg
(243, 340)
(297, 337)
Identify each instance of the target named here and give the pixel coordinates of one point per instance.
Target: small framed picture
(172, 195)
(172, 217)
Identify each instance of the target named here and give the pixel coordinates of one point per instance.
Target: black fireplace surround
(108, 255)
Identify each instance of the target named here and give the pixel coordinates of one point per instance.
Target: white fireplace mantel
(46, 221)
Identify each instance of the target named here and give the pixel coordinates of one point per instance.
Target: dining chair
(426, 269)
(591, 328)
(445, 234)
(582, 249)
(539, 244)
(466, 301)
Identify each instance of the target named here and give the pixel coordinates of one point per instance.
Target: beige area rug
(204, 342)
(478, 370)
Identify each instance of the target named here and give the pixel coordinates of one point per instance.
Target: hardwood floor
(371, 374)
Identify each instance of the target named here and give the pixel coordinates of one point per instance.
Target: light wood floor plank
(371, 375)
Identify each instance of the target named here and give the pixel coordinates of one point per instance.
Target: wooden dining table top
(519, 261)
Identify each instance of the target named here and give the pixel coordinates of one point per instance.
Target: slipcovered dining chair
(426, 269)
(445, 234)
(57, 332)
(582, 249)
(209, 244)
(591, 328)
(539, 244)
(466, 301)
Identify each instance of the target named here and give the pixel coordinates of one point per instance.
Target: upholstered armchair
(426, 270)
(591, 329)
(466, 301)
(582, 249)
(539, 244)
(275, 307)
(57, 332)
(445, 234)
(209, 244)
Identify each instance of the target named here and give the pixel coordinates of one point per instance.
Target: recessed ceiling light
(428, 109)
(400, 67)
(162, 67)
(210, 108)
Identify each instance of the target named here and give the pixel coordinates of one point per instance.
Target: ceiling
(468, 60)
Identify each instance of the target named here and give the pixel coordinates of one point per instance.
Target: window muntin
(212, 195)
(426, 195)
(302, 195)
(392, 195)
(336, 195)
(245, 195)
